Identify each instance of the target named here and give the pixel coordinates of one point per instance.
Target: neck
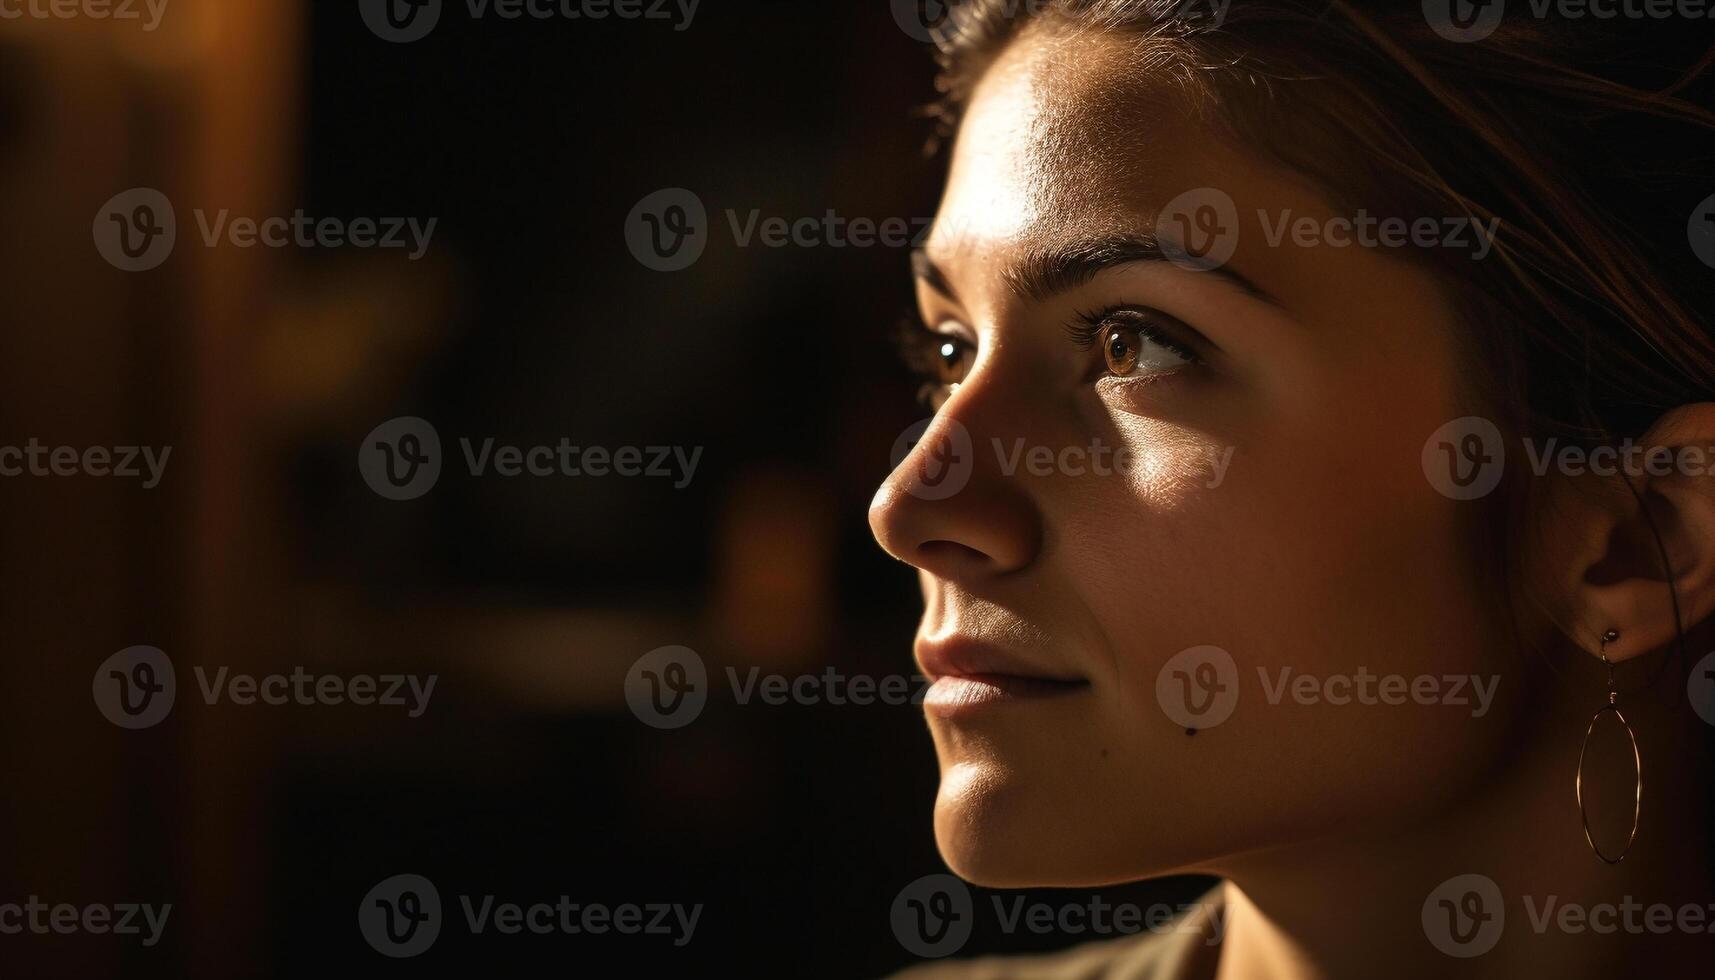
(1355, 904)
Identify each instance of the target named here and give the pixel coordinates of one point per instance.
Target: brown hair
(1588, 320)
(1592, 305)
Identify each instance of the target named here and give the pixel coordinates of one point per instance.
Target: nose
(951, 511)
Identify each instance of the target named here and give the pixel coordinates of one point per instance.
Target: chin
(997, 829)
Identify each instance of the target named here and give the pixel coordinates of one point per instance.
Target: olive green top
(1187, 950)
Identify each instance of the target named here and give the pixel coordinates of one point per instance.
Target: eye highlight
(939, 359)
(1135, 342)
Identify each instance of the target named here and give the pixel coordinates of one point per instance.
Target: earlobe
(1643, 548)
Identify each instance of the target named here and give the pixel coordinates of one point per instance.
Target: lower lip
(953, 694)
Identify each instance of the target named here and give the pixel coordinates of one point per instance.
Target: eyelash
(1089, 328)
(921, 347)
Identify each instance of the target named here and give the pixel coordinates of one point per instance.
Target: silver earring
(1637, 762)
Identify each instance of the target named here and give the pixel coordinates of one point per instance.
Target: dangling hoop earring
(1637, 760)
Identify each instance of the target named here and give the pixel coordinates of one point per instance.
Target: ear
(1620, 525)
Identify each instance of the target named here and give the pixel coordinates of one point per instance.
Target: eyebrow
(1046, 272)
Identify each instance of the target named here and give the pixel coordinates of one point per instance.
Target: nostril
(989, 528)
(942, 552)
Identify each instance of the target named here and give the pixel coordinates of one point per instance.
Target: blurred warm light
(773, 581)
(344, 337)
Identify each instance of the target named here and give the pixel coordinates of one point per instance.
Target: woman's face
(1163, 459)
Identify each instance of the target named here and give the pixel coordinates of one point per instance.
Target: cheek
(1318, 558)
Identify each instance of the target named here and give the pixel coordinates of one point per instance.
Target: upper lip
(959, 655)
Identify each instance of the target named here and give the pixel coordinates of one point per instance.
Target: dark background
(529, 320)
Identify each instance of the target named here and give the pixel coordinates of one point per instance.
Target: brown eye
(1120, 348)
(943, 363)
(951, 361)
(1135, 344)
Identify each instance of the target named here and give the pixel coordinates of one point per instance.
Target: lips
(967, 673)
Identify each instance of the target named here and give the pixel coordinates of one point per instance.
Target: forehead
(1071, 136)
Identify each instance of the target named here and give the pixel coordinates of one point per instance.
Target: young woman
(1324, 432)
